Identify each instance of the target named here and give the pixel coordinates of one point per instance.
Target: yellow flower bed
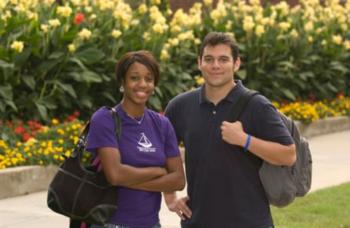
(309, 112)
(52, 143)
(50, 146)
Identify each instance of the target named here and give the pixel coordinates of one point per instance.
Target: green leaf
(3, 52)
(78, 62)
(256, 61)
(85, 101)
(4, 136)
(90, 55)
(286, 64)
(169, 86)
(331, 87)
(75, 76)
(71, 34)
(67, 88)
(159, 91)
(339, 67)
(48, 65)
(186, 76)
(29, 81)
(50, 103)
(42, 110)
(2, 106)
(6, 92)
(22, 58)
(11, 104)
(242, 74)
(288, 94)
(5, 65)
(305, 75)
(56, 55)
(86, 76)
(109, 96)
(90, 76)
(106, 78)
(315, 58)
(155, 103)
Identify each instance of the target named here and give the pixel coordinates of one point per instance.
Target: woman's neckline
(138, 119)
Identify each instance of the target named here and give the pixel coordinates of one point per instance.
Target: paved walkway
(331, 166)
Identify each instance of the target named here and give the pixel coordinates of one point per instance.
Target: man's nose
(216, 63)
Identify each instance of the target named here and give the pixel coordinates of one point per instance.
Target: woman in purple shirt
(145, 160)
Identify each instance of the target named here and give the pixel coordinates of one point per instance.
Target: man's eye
(224, 60)
(208, 60)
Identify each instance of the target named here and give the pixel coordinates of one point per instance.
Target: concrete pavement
(331, 166)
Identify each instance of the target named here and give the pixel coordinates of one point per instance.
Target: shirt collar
(229, 97)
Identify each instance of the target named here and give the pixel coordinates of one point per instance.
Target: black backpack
(281, 183)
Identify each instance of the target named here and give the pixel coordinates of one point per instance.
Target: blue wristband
(247, 143)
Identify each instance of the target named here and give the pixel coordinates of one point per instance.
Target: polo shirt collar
(229, 97)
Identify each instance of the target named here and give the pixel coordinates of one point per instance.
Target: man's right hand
(179, 206)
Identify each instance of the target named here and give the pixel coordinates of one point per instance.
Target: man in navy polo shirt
(224, 189)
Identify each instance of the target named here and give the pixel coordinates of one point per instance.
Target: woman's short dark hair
(143, 57)
(216, 38)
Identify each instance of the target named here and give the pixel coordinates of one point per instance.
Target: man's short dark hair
(143, 57)
(216, 38)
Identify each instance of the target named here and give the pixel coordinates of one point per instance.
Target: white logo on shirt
(145, 144)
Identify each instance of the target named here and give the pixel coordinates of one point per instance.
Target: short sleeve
(171, 145)
(270, 125)
(102, 131)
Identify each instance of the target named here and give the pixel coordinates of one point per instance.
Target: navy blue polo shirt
(223, 181)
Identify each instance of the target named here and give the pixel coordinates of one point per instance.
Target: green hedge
(58, 59)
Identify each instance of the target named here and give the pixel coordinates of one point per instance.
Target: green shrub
(58, 59)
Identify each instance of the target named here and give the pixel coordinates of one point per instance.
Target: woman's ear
(121, 88)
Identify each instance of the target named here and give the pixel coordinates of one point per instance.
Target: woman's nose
(142, 83)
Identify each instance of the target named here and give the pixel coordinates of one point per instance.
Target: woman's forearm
(173, 181)
(170, 182)
(126, 175)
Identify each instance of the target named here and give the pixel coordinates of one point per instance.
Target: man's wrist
(247, 142)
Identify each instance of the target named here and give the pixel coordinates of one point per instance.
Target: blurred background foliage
(59, 58)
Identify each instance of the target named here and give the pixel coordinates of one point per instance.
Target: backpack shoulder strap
(80, 146)
(117, 121)
(238, 108)
(118, 132)
(83, 135)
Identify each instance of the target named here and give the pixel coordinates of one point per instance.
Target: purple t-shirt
(146, 142)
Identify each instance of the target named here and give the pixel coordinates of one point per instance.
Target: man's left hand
(233, 133)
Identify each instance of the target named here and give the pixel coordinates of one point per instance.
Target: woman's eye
(149, 80)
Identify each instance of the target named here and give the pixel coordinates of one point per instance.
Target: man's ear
(237, 64)
(199, 62)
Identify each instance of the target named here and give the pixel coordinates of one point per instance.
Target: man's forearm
(273, 152)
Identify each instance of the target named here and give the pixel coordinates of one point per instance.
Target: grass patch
(326, 208)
